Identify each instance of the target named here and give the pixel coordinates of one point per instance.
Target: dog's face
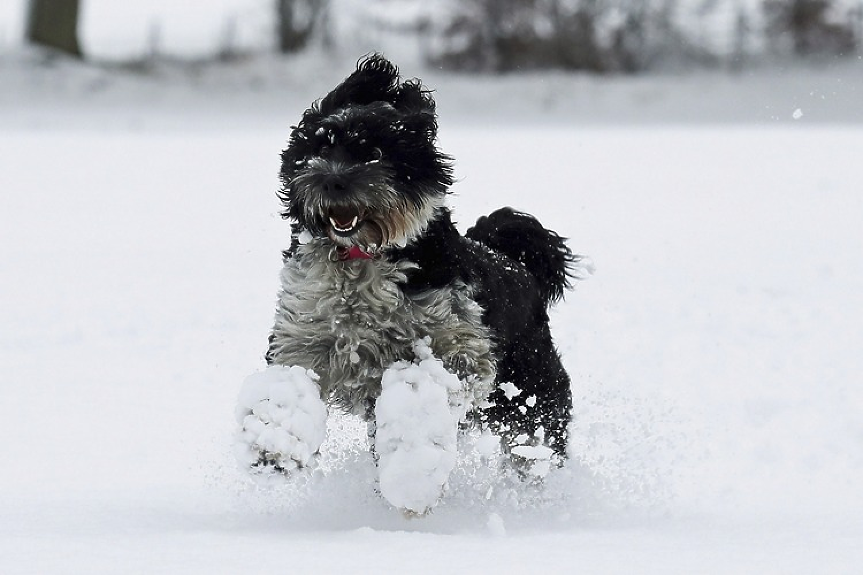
(362, 166)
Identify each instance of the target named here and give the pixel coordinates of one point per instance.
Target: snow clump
(283, 420)
(509, 390)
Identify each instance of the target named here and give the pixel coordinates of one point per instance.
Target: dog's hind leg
(531, 409)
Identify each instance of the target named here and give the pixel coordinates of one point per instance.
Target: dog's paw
(533, 462)
(282, 420)
(531, 458)
(416, 432)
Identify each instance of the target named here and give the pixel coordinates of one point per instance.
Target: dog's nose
(334, 185)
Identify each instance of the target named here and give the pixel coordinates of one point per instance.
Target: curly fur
(349, 321)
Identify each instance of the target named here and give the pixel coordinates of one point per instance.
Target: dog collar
(352, 253)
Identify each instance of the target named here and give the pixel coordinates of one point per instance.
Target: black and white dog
(378, 276)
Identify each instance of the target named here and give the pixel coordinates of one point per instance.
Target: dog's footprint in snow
(282, 420)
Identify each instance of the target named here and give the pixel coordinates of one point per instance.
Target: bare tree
(740, 39)
(297, 21)
(574, 42)
(54, 23)
(505, 35)
(810, 27)
(594, 35)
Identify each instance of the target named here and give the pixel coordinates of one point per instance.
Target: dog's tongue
(353, 253)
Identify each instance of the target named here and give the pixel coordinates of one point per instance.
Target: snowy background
(715, 355)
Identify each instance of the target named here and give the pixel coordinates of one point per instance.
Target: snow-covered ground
(715, 354)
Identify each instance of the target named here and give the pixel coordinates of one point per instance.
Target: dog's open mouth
(345, 221)
(348, 225)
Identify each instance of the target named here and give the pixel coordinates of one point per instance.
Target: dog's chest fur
(350, 320)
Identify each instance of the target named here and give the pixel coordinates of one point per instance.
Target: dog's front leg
(462, 342)
(416, 429)
(282, 419)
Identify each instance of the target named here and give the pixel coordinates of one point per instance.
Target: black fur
(514, 282)
(371, 143)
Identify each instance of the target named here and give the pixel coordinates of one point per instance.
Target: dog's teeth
(348, 228)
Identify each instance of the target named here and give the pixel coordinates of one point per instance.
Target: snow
(715, 354)
(509, 389)
(496, 525)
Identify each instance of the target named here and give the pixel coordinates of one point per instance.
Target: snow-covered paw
(532, 458)
(282, 419)
(416, 431)
(534, 461)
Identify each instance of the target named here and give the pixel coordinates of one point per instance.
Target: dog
(378, 276)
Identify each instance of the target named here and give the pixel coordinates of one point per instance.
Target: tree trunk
(54, 23)
(296, 22)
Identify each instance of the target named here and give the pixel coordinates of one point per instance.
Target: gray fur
(350, 320)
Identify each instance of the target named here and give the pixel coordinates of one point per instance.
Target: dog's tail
(545, 254)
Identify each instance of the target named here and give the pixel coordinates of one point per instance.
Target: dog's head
(362, 166)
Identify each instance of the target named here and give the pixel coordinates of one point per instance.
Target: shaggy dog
(376, 266)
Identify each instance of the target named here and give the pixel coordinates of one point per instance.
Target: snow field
(714, 355)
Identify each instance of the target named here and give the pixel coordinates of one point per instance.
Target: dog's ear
(417, 108)
(376, 80)
(413, 98)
